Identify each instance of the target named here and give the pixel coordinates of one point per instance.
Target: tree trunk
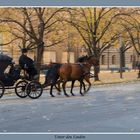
(96, 73)
(97, 68)
(138, 65)
(138, 74)
(123, 59)
(39, 56)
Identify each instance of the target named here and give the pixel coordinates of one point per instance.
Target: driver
(27, 64)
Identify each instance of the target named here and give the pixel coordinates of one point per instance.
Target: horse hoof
(66, 95)
(59, 93)
(85, 92)
(72, 94)
(52, 96)
(82, 94)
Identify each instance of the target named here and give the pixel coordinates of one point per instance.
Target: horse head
(93, 60)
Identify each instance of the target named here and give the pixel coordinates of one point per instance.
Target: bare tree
(95, 25)
(133, 29)
(34, 28)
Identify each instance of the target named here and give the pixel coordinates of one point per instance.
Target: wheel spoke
(34, 90)
(1, 89)
(20, 89)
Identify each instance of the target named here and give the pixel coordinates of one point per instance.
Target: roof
(4, 57)
(5, 60)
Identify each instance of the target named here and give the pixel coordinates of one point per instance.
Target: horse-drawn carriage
(11, 78)
(25, 86)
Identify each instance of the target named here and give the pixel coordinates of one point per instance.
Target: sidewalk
(110, 78)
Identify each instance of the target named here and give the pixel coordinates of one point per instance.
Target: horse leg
(51, 90)
(81, 83)
(58, 83)
(84, 86)
(72, 85)
(58, 88)
(64, 88)
(89, 84)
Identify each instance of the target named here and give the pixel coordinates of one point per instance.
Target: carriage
(11, 78)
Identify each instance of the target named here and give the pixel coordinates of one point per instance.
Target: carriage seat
(25, 75)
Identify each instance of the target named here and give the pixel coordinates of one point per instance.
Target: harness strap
(81, 65)
(90, 74)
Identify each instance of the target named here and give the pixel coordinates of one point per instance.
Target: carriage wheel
(34, 89)
(1, 89)
(20, 89)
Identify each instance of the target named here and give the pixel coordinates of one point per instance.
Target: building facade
(110, 58)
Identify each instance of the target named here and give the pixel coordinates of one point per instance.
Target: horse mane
(90, 56)
(53, 66)
(82, 58)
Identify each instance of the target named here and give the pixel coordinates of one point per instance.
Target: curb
(98, 83)
(93, 83)
(116, 82)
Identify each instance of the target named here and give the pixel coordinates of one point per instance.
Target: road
(106, 108)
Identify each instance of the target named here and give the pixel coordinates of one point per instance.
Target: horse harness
(86, 73)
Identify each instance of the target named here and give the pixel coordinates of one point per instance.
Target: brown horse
(52, 78)
(77, 71)
(86, 76)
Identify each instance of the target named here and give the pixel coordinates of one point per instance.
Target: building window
(68, 57)
(49, 56)
(103, 60)
(113, 60)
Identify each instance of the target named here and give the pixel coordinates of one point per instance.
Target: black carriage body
(5, 61)
(6, 79)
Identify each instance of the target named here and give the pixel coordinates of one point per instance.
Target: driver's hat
(24, 50)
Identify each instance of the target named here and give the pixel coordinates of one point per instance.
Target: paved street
(106, 108)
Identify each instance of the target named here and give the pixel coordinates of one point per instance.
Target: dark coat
(27, 64)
